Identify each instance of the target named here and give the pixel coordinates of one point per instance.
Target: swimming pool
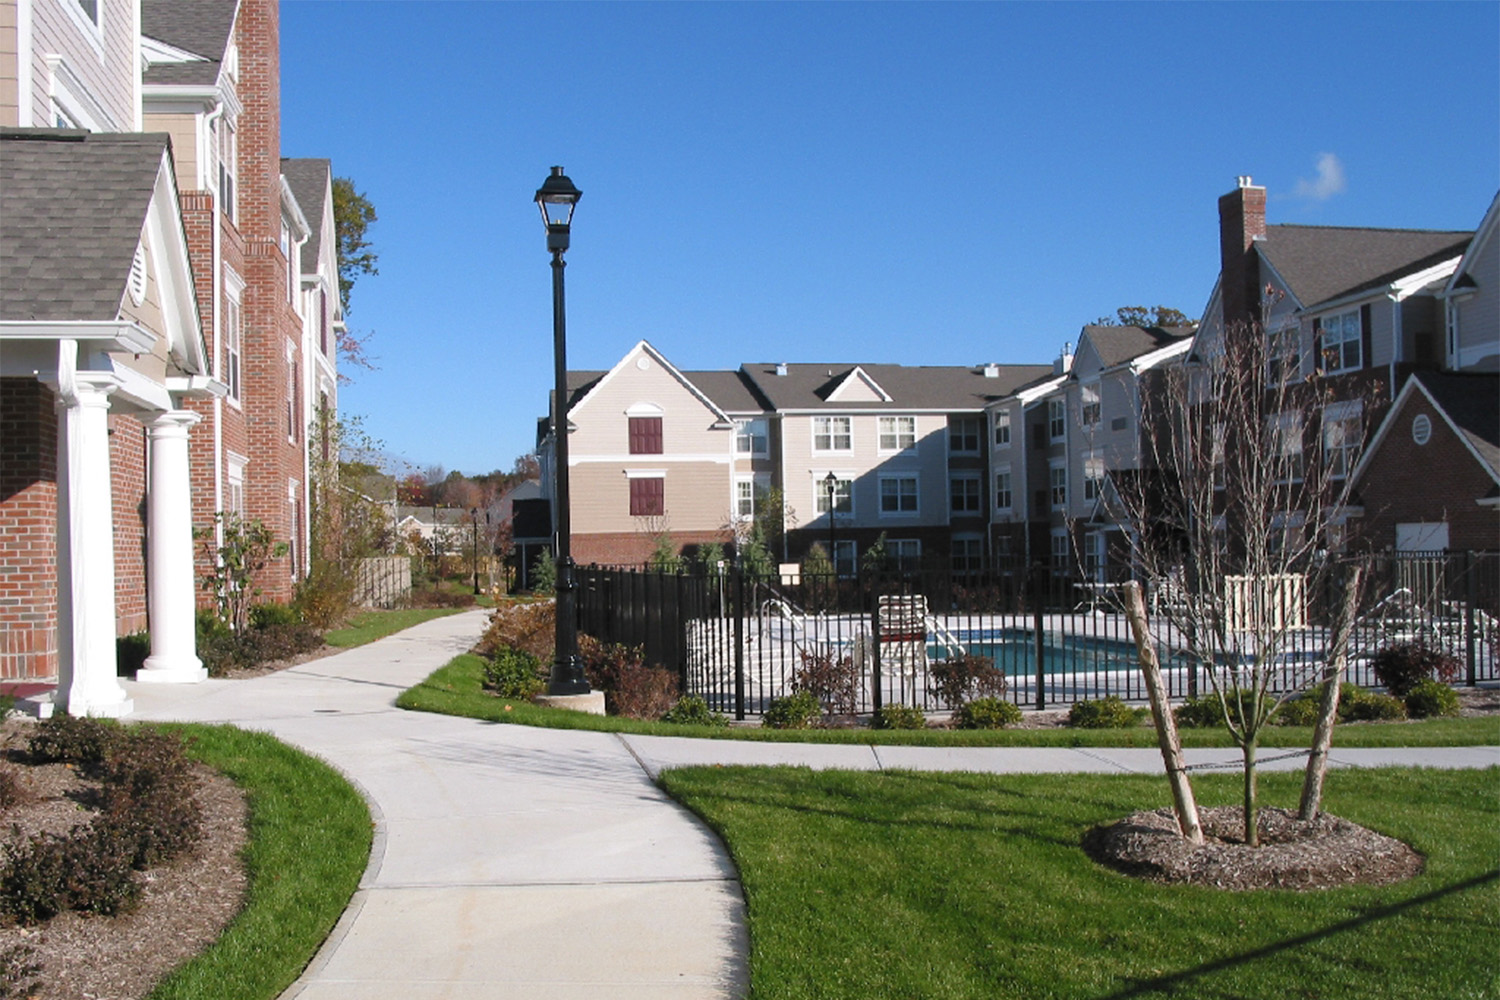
(1013, 651)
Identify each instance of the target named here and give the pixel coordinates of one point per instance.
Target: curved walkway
(512, 861)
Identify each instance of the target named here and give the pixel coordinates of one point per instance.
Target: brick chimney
(1242, 220)
(259, 37)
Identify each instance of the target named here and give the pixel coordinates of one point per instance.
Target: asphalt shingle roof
(72, 205)
(947, 387)
(1116, 345)
(1327, 262)
(201, 27)
(309, 180)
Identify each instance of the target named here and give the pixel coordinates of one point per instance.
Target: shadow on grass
(1180, 980)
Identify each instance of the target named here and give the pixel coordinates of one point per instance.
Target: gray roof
(731, 391)
(72, 205)
(201, 27)
(1472, 402)
(1327, 262)
(309, 180)
(945, 387)
(1116, 345)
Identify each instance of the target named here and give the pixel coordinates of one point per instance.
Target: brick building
(167, 296)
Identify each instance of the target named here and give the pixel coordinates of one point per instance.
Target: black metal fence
(740, 642)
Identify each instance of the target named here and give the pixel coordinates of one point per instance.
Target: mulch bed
(184, 905)
(1318, 854)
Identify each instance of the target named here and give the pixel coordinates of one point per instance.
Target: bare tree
(1242, 498)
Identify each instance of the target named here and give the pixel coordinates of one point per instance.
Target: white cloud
(1330, 180)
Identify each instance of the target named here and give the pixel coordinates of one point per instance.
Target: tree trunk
(1161, 714)
(1328, 708)
(1252, 825)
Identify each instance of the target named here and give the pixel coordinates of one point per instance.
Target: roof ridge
(1371, 229)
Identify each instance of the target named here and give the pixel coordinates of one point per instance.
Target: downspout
(304, 408)
(24, 68)
(216, 280)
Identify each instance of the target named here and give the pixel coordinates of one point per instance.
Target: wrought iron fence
(739, 642)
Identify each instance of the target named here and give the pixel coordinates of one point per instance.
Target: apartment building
(857, 451)
(153, 294)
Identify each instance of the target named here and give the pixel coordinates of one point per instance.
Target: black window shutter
(1365, 339)
(1318, 359)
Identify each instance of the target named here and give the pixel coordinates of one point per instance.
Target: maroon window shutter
(645, 436)
(647, 497)
(1364, 336)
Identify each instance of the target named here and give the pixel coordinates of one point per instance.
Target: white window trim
(1001, 421)
(849, 420)
(1358, 340)
(1057, 465)
(1090, 397)
(1009, 492)
(966, 477)
(1093, 486)
(916, 492)
(904, 563)
(1057, 415)
(1336, 413)
(93, 29)
(978, 435)
(820, 494)
(234, 289)
(746, 428)
(881, 434)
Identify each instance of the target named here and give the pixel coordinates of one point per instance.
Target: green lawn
(955, 886)
(455, 690)
(367, 626)
(310, 835)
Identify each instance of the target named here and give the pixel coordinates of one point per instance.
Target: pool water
(1014, 651)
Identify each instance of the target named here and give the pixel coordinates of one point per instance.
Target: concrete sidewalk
(512, 861)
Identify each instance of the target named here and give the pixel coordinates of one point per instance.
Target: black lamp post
(474, 546)
(832, 481)
(557, 197)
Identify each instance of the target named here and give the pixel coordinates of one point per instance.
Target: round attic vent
(137, 282)
(1421, 428)
(643, 362)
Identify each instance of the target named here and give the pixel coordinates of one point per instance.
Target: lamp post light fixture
(832, 481)
(557, 197)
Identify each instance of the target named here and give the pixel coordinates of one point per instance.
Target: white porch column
(169, 553)
(86, 683)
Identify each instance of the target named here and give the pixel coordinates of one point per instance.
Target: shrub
(831, 679)
(271, 643)
(644, 693)
(1401, 666)
(88, 869)
(1429, 698)
(898, 717)
(529, 626)
(13, 790)
(514, 673)
(794, 711)
(148, 798)
(987, 713)
(19, 972)
(606, 663)
(265, 615)
(1106, 713)
(67, 739)
(1303, 709)
(326, 596)
(429, 598)
(1358, 705)
(692, 710)
(960, 679)
(1205, 712)
(131, 652)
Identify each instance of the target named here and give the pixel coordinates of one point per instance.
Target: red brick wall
(1440, 481)
(28, 530)
(127, 473)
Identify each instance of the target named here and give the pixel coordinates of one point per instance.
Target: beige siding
(805, 468)
(697, 497)
(1479, 314)
(103, 61)
(687, 423)
(10, 83)
(184, 132)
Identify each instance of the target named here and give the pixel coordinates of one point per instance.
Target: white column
(87, 684)
(170, 596)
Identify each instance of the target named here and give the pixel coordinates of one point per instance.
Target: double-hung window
(898, 433)
(1057, 482)
(1089, 409)
(964, 495)
(231, 338)
(898, 494)
(1057, 418)
(967, 554)
(842, 494)
(1283, 360)
(963, 435)
(1002, 491)
(905, 554)
(744, 498)
(1342, 341)
(833, 434)
(1002, 428)
(1341, 437)
(750, 437)
(1093, 475)
(1284, 446)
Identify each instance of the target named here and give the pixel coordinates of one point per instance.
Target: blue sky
(910, 183)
